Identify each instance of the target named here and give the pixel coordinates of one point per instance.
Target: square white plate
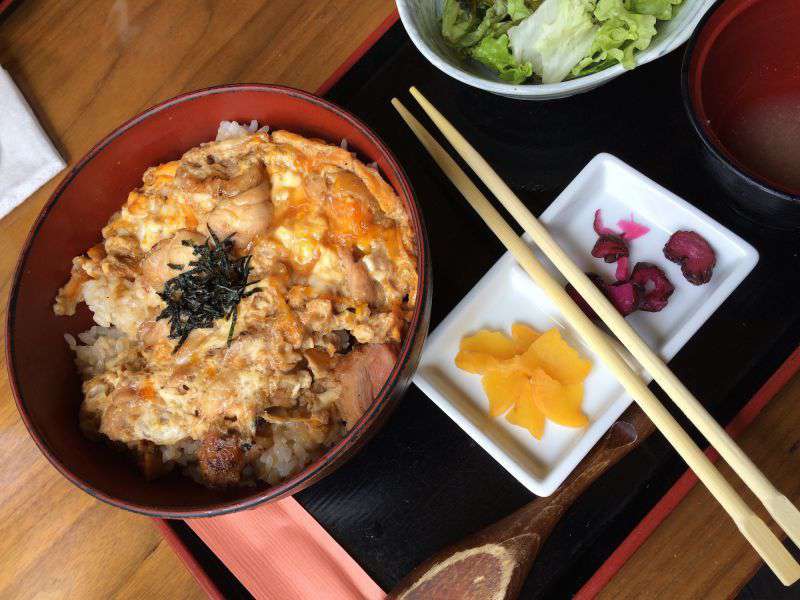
(506, 295)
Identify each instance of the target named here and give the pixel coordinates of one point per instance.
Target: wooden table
(88, 65)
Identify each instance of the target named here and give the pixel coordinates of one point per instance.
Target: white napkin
(27, 157)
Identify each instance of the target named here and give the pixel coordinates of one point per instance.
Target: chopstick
(749, 524)
(779, 506)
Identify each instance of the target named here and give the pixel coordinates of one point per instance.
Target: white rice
(103, 345)
(131, 307)
(292, 449)
(229, 130)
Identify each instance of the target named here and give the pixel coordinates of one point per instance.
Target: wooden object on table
(86, 67)
(695, 554)
(782, 510)
(494, 562)
(751, 526)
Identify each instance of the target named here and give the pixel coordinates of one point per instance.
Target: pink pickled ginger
(631, 229)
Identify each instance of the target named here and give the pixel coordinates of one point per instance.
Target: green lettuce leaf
(467, 22)
(458, 19)
(495, 53)
(555, 37)
(488, 27)
(663, 10)
(621, 33)
(518, 10)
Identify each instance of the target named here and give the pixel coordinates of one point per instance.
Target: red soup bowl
(741, 88)
(45, 381)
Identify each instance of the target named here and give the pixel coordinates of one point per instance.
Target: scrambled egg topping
(334, 254)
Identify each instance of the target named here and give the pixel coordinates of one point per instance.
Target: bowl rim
(715, 147)
(415, 328)
(552, 90)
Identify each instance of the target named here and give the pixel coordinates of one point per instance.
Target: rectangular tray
(422, 483)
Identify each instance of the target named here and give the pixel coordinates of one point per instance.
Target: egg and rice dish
(249, 301)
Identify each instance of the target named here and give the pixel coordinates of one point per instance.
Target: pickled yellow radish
(557, 358)
(493, 343)
(475, 362)
(526, 414)
(558, 402)
(523, 336)
(504, 388)
(529, 376)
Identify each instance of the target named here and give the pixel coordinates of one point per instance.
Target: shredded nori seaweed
(210, 290)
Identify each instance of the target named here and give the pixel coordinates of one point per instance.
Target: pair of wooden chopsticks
(754, 529)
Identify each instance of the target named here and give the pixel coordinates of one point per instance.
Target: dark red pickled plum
(655, 287)
(626, 296)
(599, 228)
(579, 300)
(610, 248)
(693, 253)
(622, 269)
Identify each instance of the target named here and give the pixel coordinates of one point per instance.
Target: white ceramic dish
(506, 295)
(421, 19)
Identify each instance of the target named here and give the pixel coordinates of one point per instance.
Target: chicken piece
(246, 215)
(351, 210)
(221, 460)
(171, 251)
(247, 179)
(319, 362)
(361, 375)
(217, 178)
(123, 247)
(346, 183)
(360, 286)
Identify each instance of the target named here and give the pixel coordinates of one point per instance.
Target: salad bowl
(422, 21)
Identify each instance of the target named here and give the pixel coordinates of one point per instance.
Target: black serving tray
(422, 483)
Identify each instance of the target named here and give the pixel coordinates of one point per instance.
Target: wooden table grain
(87, 66)
(697, 551)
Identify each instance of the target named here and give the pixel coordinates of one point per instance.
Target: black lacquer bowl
(741, 89)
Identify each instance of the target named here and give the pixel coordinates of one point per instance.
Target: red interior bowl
(742, 78)
(44, 378)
